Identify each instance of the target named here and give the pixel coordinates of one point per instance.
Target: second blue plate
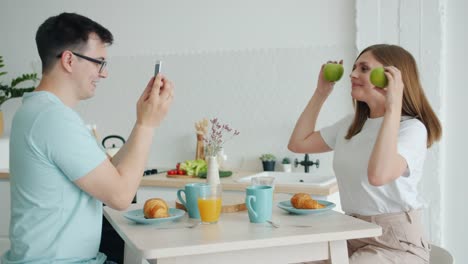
(286, 205)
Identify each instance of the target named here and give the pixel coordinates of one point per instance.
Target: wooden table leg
(338, 252)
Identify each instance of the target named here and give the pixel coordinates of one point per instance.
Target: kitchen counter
(228, 183)
(231, 184)
(4, 175)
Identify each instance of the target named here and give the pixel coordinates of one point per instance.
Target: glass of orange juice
(209, 203)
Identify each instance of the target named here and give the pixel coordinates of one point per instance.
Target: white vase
(287, 167)
(212, 176)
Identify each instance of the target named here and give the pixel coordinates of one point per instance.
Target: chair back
(440, 256)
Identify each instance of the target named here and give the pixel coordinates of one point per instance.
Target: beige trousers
(402, 241)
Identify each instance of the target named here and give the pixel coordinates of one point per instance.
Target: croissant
(304, 201)
(156, 208)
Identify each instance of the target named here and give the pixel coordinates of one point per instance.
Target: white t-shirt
(350, 162)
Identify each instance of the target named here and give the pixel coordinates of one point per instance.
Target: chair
(440, 256)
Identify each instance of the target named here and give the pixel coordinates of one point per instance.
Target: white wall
(456, 127)
(418, 26)
(254, 65)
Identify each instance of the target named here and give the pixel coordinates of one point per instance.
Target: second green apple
(378, 78)
(333, 72)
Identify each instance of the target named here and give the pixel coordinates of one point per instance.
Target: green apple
(333, 72)
(378, 78)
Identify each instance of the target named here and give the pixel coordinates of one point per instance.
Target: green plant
(267, 157)
(286, 161)
(12, 91)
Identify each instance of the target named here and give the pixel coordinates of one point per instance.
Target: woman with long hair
(379, 153)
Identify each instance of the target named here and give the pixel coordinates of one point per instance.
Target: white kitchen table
(235, 240)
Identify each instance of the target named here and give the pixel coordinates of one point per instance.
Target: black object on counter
(150, 172)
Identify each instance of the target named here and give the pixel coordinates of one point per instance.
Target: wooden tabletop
(4, 175)
(234, 232)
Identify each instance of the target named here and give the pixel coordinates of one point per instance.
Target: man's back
(52, 219)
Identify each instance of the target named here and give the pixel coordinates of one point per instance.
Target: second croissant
(305, 201)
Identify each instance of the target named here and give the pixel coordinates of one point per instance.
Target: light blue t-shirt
(52, 220)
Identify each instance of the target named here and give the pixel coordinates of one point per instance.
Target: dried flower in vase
(219, 135)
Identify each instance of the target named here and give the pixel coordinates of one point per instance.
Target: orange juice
(210, 209)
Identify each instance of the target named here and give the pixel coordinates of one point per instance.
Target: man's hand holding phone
(157, 68)
(154, 103)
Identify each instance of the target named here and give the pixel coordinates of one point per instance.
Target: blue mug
(190, 202)
(259, 201)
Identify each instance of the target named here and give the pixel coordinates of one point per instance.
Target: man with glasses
(101, 62)
(59, 174)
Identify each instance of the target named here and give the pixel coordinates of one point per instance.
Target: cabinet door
(4, 207)
(4, 153)
(168, 194)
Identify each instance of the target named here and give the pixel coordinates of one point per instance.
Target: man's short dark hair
(66, 31)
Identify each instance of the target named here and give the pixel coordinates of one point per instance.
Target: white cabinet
(4, 153)
(145, 193)
(4, 196)
(5, 215)
(334, 198)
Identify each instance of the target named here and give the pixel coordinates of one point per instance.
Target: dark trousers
(111, 243)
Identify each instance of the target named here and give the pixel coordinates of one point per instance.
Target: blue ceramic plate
(286, 205)
(139, 217)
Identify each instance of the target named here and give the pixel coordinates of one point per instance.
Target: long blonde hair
(415, 103)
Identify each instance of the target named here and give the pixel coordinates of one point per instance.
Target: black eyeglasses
(103, 63)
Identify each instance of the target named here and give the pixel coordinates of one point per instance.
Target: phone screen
(157, 67)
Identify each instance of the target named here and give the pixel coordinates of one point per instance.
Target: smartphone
(157, 67)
